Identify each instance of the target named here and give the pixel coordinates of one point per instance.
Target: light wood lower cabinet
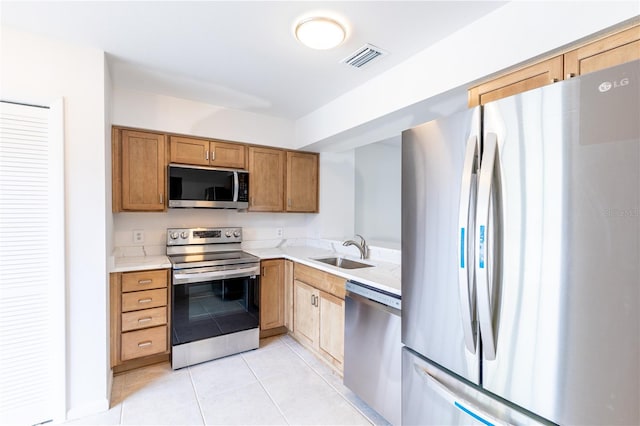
(288, 295)
(318, 317)
(139, 323)
(272, 297)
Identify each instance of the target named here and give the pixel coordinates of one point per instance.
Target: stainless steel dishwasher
(372, 348)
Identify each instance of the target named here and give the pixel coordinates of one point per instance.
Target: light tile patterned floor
(280, 383)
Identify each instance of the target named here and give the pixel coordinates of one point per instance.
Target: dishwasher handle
(377, 305)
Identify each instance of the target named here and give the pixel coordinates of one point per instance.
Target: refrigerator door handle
(466, 284)
(457, 401)
(482, 261)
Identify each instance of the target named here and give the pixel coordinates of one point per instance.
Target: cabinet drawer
(144, 318)
(143, 280)
(141, 343)
(319, 279)
(144, 299)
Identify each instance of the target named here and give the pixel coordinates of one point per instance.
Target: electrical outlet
(279, 232)
(138, 236)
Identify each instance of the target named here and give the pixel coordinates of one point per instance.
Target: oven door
(212, 302)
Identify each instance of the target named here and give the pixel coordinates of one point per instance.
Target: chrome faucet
(362, 246)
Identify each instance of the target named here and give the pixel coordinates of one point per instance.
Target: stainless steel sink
(341, 262)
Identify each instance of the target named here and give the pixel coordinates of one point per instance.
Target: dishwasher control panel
(376, 295)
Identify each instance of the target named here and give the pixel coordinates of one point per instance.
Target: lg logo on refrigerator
(608, 85)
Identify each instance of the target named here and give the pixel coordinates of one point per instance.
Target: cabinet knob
(570, 75)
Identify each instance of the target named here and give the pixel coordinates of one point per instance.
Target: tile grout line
(327, 382)
(195, 392)
(266, 391)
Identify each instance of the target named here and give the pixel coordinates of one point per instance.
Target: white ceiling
(242, 54)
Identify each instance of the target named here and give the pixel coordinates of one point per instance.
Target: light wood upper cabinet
(139, 164)
(189, 151)
(202, 152)
(224, 154)
(272, 294)
(610, 51)
(615, 49)
(302, 182)
(519, 81)
(266, 179)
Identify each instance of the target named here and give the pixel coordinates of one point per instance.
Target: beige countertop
(140, 263)
(383, 275)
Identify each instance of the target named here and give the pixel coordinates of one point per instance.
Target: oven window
(213, 308)
(200, 185)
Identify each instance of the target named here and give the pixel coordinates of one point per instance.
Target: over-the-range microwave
(206, 187)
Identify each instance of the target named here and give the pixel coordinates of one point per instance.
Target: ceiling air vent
(363, 56)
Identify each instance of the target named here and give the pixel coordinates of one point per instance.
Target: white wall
(335, 220)
(36, 70)
(510, 35)
(165, 113)
(256, 226)
(378, 175)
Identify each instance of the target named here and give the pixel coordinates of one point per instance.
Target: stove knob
(173, 235)
(236, 234)
(184, 235)
(228, 234)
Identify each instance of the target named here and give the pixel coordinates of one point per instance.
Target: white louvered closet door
(32, 291)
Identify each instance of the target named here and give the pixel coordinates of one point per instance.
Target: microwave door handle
(236, 184)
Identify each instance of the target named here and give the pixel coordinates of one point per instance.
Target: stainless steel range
(215, 295)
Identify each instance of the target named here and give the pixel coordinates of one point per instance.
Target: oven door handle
(194, 277)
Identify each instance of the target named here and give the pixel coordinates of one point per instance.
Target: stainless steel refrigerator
(520, 258)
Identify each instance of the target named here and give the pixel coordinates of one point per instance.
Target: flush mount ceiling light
(320, 33)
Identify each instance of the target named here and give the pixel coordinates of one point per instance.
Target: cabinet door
(272, 294)
(331, 325)
(225, 154)
(305, 316)
(190, 151)
(288, 295)
(266, 179)
(143, 171)
(302, 182)
(531, 77)
(607, 52)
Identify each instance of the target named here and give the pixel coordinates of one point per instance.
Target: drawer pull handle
(145, 281)
(145, 344)
(147, 300)
(147, 319)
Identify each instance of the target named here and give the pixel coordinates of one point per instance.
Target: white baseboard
(92, 407)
